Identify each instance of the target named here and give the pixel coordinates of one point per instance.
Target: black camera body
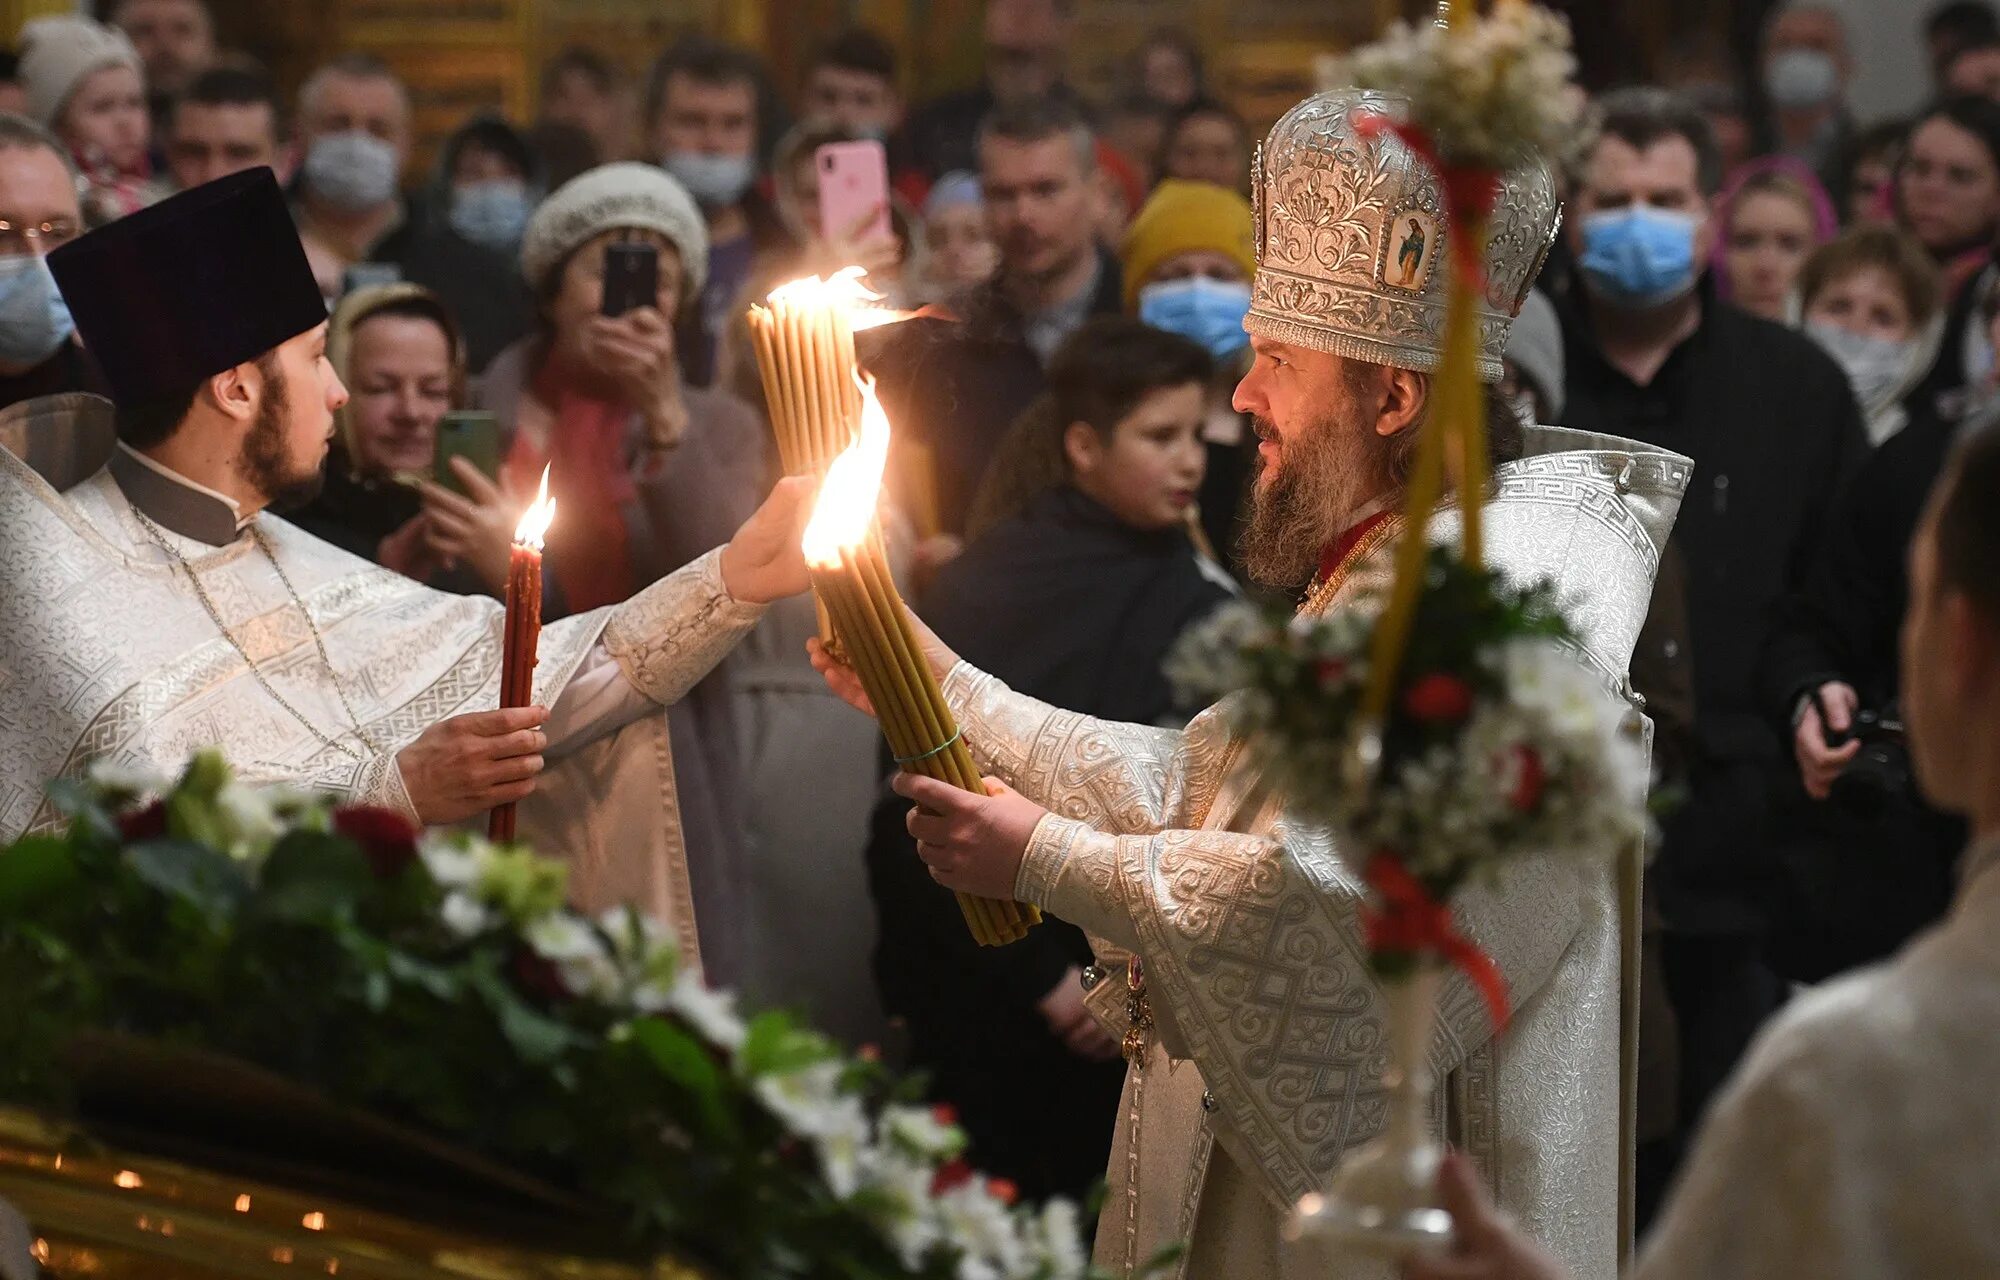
(1879, 773)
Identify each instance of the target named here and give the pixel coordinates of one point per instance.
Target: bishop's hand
(468, 764)
(972, 844)
(763, 561)
(846, 683)
(1485, 1244)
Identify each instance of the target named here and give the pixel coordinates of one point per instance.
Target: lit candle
(523, 628)
(845, 558)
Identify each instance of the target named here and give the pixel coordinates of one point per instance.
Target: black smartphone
(631, 276)
(472, 434)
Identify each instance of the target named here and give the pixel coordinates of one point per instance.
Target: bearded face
(267, 460)
(1319, 463)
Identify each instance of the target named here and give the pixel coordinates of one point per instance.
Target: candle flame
(853, 482)
(844, 290)
(536, 519)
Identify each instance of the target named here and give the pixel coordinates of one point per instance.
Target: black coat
(1853, 883)
(1066, 604)
(1773, 429)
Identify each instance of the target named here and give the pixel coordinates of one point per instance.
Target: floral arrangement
(1498, 742)
(442, 981)
(1486, 93)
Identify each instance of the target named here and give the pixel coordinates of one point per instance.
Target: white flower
(128, 776)
(980, 1224)
(451, 864)
(842, 1144)
(710, 1011)
(1055, 1243)
(250, 822)
(646, 951)
(807, 1100)
(464, 915)
(918, 1131)
(902, 1208)
(578, 954)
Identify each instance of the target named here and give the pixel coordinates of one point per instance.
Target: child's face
(1150, 471)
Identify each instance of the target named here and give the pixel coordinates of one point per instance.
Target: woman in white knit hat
(84, 83)
(648, 473)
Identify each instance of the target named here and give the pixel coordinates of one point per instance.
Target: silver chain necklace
(159, 538)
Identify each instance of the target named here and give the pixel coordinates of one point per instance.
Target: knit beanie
(626, 195)
(1182, 216)
(57, 53)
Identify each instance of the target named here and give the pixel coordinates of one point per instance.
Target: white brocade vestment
(107, 653)
(1268, 1060)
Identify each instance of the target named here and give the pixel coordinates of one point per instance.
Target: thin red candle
(522, 632)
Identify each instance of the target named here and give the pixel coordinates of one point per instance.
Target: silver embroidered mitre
(1351, 239)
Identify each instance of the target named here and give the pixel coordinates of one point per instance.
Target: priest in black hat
(157, 608)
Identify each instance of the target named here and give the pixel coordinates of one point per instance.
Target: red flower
(1330, 671)
(538, 977)
(1531, 781)
(1003, 1190)
(869, 1053)
(387, 839)
(1438, 698)
(950, 1175)
(945, 1114)
(149, 823)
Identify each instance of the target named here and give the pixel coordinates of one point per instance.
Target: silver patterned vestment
(105, 653)
(1268, 1063)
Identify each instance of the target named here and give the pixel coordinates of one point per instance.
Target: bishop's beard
(1328, 470)
(266, 460)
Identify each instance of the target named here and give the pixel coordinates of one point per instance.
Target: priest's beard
(1328, 470)
(266, 460)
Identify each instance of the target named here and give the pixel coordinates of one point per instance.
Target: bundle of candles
(848, 569)
(523, 633)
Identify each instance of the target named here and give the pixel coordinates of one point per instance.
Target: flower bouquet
(441, 984)
(1497, 743)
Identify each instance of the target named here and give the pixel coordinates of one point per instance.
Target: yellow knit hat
(1181, 216)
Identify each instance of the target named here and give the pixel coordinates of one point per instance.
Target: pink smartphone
(853, 184)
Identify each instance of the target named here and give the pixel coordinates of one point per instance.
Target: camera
(1880, 772)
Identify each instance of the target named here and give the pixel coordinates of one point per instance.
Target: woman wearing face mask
(38, 202)
(85, 84)
(648, 473)
(1872, 299)
(1772, 214)
(468, 249)
(1947, 189)
(1189, 256)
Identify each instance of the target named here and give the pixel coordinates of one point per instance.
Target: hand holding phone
(853, 192)
(631, 276)
(472, 434)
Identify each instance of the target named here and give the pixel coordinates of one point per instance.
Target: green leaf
(537, 1038)
(312, 877)
(683, 1060)
(34, 870)
(193, 873)
(776, 1045)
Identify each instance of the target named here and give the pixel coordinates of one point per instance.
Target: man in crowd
(175, 40)
(1255, 1012)
(1857, 1142)
(226, 121)
(137, 641)
(851, 83)
(354, 129)
(39, 355)
(964, 384)
(13, 94)
(702, 123)
(582, 89)
(1208, 142)
(1975, 70)
(1954, 25)
(1768, 418)
(1026, 43)
(1806, 67)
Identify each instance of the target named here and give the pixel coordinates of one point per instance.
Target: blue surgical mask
(715, 182)
(492, 214)
(1639, 257)
(1209, 312)
(34, 319)
(353, 171)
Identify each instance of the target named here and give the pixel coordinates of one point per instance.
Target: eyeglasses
(27, 237)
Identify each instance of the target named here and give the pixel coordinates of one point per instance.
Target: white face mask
(353, 171)
(1800, 78)
(34, 319)
(1876, 367)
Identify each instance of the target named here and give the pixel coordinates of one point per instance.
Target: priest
(159, 607)
(1230, 952)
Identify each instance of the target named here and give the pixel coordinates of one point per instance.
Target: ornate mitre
(1351, 240)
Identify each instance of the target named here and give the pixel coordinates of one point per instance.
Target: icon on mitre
(1411, 246)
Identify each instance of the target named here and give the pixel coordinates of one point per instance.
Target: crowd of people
(1806, 304)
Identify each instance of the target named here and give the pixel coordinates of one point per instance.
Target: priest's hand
(1071, 1021)
(1485, 1244)
(468, 764)
(846, 683)
(763, 562)
(972, 844)
(1820, 764)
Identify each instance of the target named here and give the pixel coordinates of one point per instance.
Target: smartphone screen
(472, 434)
(853, 190)
(631, 276)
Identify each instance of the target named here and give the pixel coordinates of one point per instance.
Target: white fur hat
(57, 53)
(614, 196)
